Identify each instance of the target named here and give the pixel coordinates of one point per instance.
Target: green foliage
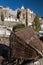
(36, 23)
(2, 17)
(18, 26)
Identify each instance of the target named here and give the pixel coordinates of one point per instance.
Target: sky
(34, 5)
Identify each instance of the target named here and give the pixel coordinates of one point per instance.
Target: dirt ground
(38, 62)
(1, 58)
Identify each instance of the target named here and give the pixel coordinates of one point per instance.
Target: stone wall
(4, 40)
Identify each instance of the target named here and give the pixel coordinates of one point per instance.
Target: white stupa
(22, 7)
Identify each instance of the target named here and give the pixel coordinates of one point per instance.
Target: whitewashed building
(4, 35)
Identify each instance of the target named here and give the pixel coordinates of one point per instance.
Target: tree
(18, 14)
(2, 17)
(36, 23)
(26, 18)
